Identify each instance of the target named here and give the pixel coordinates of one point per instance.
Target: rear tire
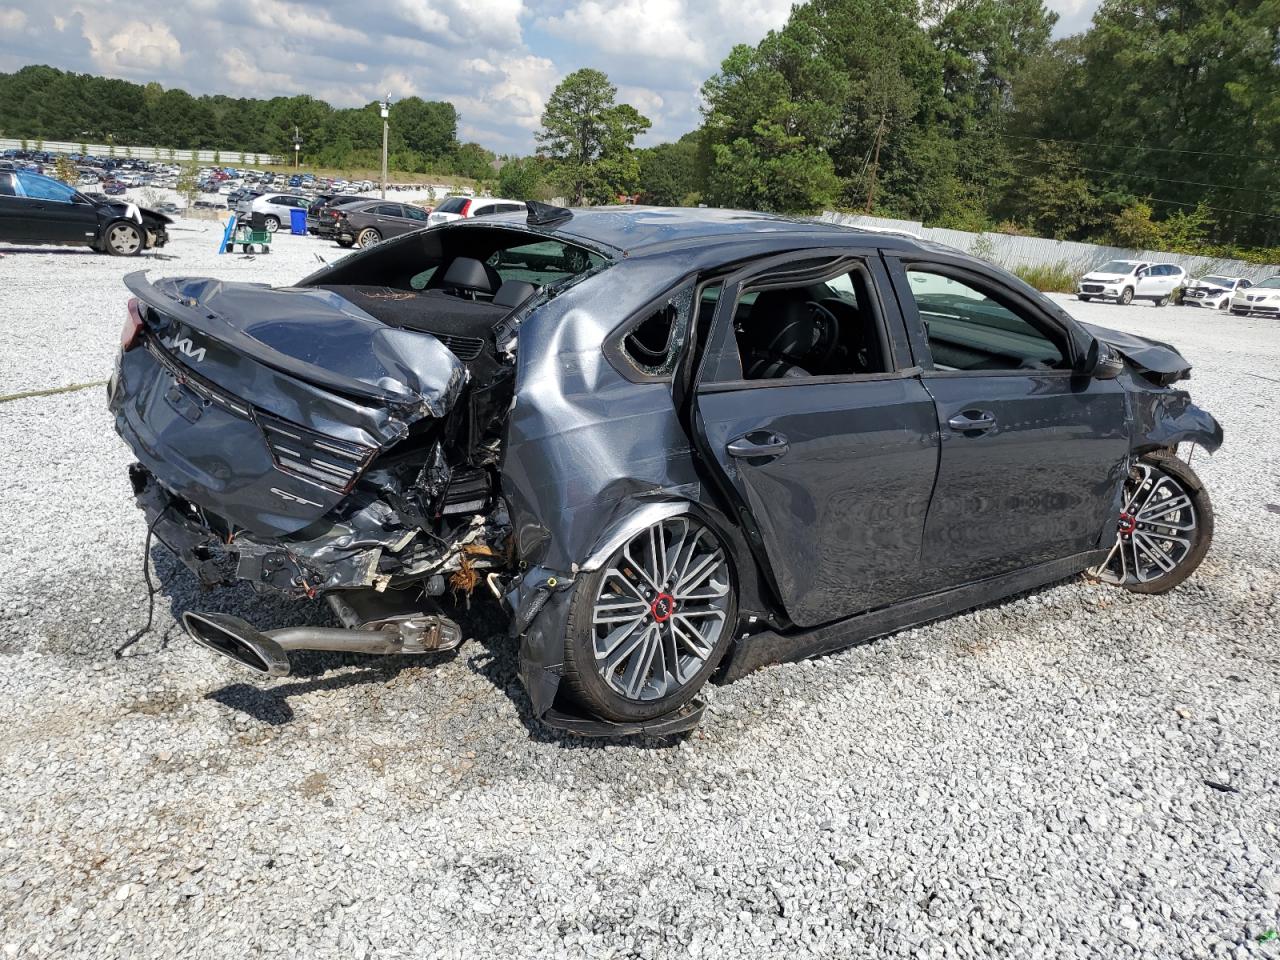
(272, 224)
(348, 244)
(1165, 527)
(648, 628)
(1126, 296)
(368, 237)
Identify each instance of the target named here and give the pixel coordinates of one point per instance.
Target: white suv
(1127, 280)
(457, 208)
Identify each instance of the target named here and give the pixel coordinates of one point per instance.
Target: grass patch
(1050, 277)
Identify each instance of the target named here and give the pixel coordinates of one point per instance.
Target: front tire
(1082, 298)
(368, 237)
(1126, 296)
(124, 239)
(1162, 301)
(1165, 527)
(648, 628)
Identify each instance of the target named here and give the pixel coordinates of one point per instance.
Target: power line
(1142, 176)
(1139, 146)
(1181, 203)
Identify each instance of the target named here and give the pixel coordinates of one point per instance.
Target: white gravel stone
(1024, 780)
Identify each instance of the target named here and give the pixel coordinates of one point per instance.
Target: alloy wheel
(661, 609)
(368, 237)
(1157, 529)
(124, 239)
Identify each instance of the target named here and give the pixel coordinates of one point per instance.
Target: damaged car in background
(677, 444)
(35, 209)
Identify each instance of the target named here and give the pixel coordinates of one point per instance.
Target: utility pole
(297, 145)
(386, 112)
(875, 165)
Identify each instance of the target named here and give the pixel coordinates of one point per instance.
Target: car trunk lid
(265, 405)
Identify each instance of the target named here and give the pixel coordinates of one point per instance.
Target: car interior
(969, 330)
(827, 329)
(459, 294)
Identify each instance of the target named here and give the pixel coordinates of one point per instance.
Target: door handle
(759, 443)
(972, 420)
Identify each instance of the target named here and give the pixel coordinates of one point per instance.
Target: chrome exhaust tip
(237, 640)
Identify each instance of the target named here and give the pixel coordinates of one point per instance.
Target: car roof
(639, 230)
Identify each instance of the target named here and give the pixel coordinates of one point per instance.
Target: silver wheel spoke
(661, 609)
(1158, 530)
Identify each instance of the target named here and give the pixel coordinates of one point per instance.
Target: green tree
(189, 180)
(589, 138)
(669, 173)
(1133, 227)
(64, 170)
(522, 178)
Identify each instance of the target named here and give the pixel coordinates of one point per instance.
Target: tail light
(132, 326)
(466, 207)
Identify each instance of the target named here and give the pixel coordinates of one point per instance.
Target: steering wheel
(829, 325)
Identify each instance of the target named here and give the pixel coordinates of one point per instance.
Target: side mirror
(1101, 362)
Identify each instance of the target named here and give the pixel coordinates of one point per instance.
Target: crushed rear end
(289, 439)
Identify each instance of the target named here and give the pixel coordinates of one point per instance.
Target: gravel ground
(1033, 779)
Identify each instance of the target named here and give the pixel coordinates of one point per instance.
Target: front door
(1031, 454)
(55, 212)
(820, 432)
(1155, 282)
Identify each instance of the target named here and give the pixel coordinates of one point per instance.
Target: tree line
(1159, 126)
(46, 103)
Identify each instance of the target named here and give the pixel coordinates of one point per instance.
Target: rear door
(827, 448)
(1032, 454)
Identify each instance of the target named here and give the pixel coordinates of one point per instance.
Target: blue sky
(497, 60)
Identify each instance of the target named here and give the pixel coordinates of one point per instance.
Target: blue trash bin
(298, 222)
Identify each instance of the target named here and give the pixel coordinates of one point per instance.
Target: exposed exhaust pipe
(267, 653)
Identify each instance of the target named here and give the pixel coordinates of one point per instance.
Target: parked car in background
(1213, 291)
(1262, 299)
(275, 207)
(1127, 280)
(113, 188)
(35, 209)
(367, 222)
(322, 215)
(459, 208)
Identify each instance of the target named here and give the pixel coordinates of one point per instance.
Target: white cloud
(645, 28)
(136, 47)
(13, 20)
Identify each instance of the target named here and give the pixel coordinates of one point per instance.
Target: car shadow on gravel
(488, 650)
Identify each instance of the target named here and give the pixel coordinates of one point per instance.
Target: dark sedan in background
(35, 209)
(675, 443)
(370, 221)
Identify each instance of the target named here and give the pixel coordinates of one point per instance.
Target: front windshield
(1116, 266)
(1271, 283)
(1218, 281)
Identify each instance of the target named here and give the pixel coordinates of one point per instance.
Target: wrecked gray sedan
(676, 444)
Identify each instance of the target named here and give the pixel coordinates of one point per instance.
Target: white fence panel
(228, 158)
(1009, 251)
